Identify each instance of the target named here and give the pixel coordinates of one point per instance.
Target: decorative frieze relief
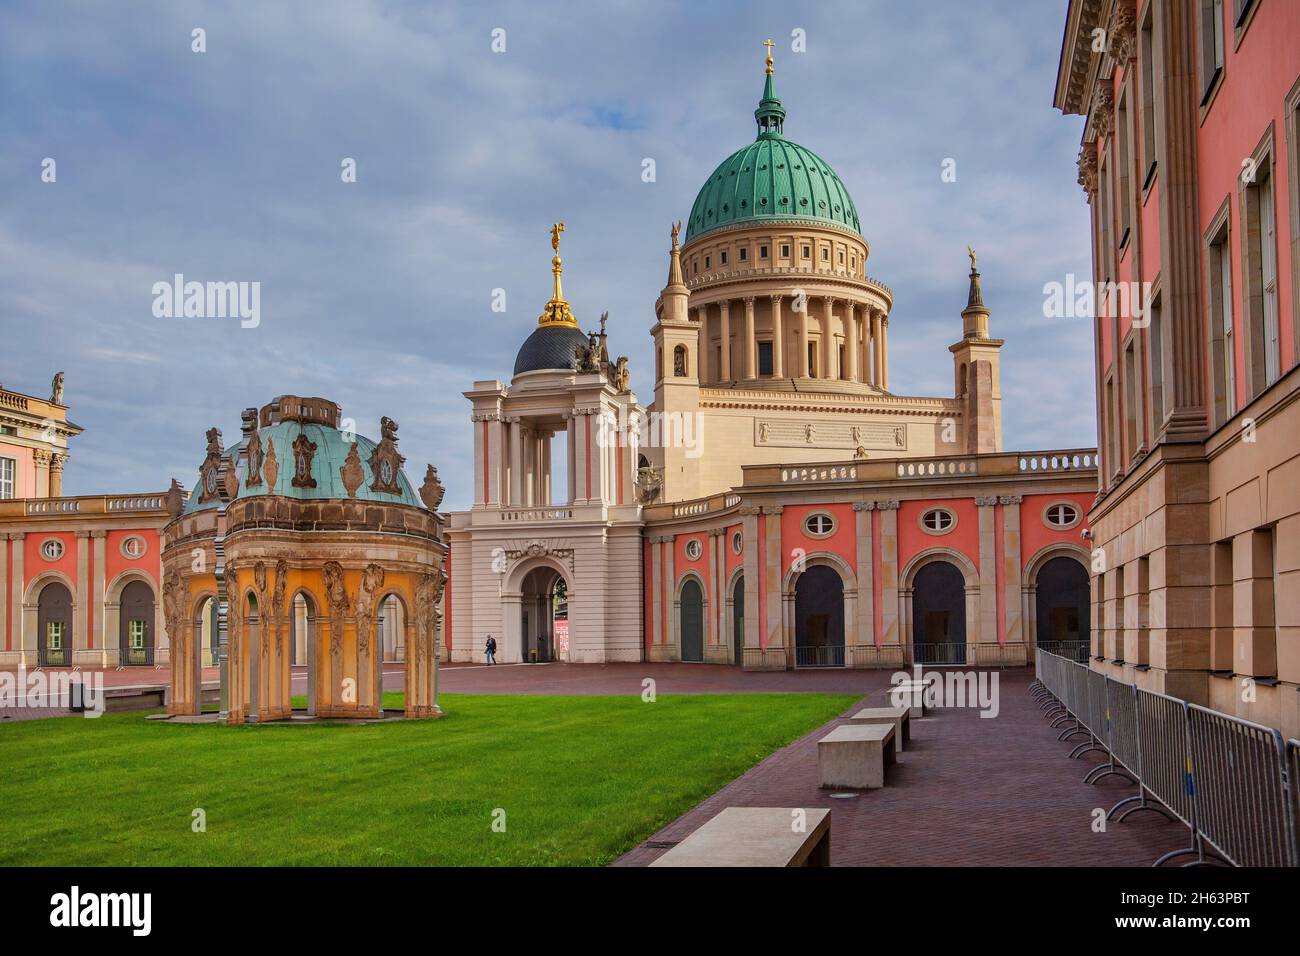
(864, 506)
(795, 434)
(986, 501)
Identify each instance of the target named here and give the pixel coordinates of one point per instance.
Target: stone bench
(911, 693)
(853, 756)
(900, 717)
(756, 836)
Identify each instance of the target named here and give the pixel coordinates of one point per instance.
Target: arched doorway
(1062, 611)
(392, 631)
(691, 615)
(819, 618)
(302, 645)
(939, 614)
(738, 620)
(135, 625)
(543, 603)
(54, 625)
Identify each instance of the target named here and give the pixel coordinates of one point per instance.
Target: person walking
(490, 649)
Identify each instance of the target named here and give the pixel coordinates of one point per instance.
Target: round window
(134, 547)
(1062, 515)
(51, 549)
(694, 549)
(819, 524)
(937, 521)
(737, 542)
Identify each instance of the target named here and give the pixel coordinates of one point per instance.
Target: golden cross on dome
(769, 44)
(555, 235)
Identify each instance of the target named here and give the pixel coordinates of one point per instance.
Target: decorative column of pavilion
(656, 593)
(778, 360)
(580, 451)
(572, 459)
(751, 364)
(56, 474)
(100, 636)
(828, 369)
(724, 339)
(497, 451)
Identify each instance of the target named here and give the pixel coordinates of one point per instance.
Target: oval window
(737, 542)
(51, 549)
(938, 521)
(1062, 515)
(133, 547)
(819, 524)
(694, 549)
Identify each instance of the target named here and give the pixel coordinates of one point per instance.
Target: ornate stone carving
(337, 597)
(649, 481)
(230, 478)
(1103, 108)
(622, 378)
(891, 505)
(271, 467)
(264, 616)
(986, 501)
(209, 471)
(254, 460)
(372, 579)
(385, 461)
(679, 362)
(1122, 33)
(351, 472)
(773, 509)
(864, 506)
(586, 358)
(1088, 168)
(175, 601)
(175, 498)
(234, 620)
(304, 450)
(432, 491)
(278, 605)
(428, 592)
(56, 389)
(1010, 499)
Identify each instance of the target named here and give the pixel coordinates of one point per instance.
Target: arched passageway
(819, 618)
(939, 614)
(691, 604)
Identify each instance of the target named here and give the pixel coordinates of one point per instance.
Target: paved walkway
(968, 791)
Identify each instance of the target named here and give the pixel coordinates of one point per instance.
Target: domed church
(778, 504)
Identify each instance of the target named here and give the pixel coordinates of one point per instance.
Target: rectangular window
(1103, 215)
(1131, 400)
(785, 252)
(6, 478)
(1210, 39)
(762, 252)
(1259, 269)
(1147, 54)
(812, 359)
(764, 358)
(135, 634)
(1159, 374)
(844, 369)
(826, 254)
(1239, 10)
(807, 252)
(1218, 273)
(1112, 445)
(1123, 160)
(54, 635)
(723, 257)
(744, 253)
(707, 262)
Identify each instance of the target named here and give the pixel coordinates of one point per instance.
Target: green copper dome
(772, 179)
(329, 456)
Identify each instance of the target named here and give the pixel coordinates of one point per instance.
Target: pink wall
(1035, 535)
(842, 542)
(24, 470)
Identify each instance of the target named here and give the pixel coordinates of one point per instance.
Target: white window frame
(924, 525)
(8, 478)
(1062, 526)
(830, 524)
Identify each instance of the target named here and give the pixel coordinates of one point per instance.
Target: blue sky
(225, 165)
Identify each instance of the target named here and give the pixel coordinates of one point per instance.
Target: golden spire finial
(769, 44)
(557, 311)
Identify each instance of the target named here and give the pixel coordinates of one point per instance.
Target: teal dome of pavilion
(772, 179)
(332, 447)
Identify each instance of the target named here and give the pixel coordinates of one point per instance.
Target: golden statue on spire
(769, 44)
(557, 311)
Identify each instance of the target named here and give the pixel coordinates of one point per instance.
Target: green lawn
(581, 779)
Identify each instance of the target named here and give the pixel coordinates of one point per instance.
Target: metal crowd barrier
(1234, 784)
